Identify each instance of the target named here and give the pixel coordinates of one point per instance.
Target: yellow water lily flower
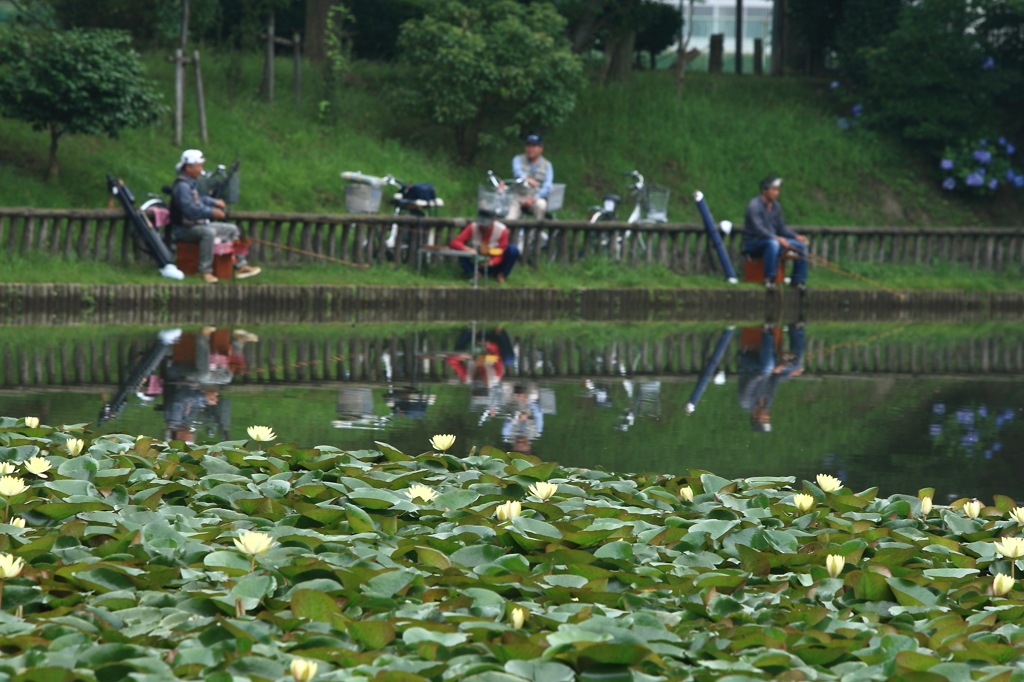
(686, 492)
(1011, 548)
(32, 422)
(543, 491)
(303, 670)
(19, 522)
(10, 566)
(804, 502)
(422, 492)
(517, 617)
(38, 466)
(829, 484)
(834, 564)
(509, 510)
(1017, 515)
(74, 446)
(972, 509)
(261, 434)
(253, 544)
(7, 468)
(11, 486)
(442, 442)
(1002, 584)
(926, 506)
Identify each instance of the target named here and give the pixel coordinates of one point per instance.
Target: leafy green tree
(490, 69)
(661, 27)
(944, 74)
(77, 81)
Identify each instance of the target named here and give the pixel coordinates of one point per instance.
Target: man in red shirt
(488, 237)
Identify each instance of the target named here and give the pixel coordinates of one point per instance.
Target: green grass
(723, 136)
(590, 273)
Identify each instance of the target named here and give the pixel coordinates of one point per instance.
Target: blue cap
(534, 139)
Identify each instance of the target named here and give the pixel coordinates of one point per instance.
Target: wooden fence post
(267, 87)
(296, 44)
(715, 57)
(179, 94)
(200, 101)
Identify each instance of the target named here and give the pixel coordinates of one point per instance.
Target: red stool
(223, 259)
(753, 270)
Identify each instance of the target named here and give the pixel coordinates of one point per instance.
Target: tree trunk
(582, 36)
(316, 29)
(619, 57)
(55, 132)
(465, 143)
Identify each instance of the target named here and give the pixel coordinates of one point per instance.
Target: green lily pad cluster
(138, 565)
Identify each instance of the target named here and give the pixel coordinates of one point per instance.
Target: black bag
(423, 191)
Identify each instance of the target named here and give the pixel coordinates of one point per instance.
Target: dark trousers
(508, 261)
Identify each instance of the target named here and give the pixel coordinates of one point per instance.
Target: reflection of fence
(416, 357)
(102, 235)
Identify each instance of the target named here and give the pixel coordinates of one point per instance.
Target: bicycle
(499, 197)
(650, 206)
(364, 194)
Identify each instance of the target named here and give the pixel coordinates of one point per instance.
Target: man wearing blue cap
(538, 173)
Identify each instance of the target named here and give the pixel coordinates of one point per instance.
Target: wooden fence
(683, 247)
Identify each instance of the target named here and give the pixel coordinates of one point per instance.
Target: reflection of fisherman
(488, 354)
(525, 422)
(192, 392)
(760, 374)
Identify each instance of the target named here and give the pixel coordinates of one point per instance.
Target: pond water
(899, 406)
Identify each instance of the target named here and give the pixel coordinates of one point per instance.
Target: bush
(489, 70)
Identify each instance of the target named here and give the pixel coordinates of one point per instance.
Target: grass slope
(724, 135)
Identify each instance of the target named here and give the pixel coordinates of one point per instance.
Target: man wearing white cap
(766, 235)
(191, 213)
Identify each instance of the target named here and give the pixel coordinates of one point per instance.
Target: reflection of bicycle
(650, 205)
(364, 194)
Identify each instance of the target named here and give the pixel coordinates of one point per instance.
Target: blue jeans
(768, 249)
(508, 261)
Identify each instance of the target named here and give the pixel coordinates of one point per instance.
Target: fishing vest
(497, 229)
(177, 217)
(540, 173)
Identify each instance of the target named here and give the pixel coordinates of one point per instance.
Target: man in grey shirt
(191, 213)
(766, 236)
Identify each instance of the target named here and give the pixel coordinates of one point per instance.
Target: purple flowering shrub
(981, 167)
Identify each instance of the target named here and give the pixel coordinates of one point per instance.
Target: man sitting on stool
(488, 237)
(765, 235)
(539, 175)
(191, 213)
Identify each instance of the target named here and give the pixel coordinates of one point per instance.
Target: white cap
(190, 156)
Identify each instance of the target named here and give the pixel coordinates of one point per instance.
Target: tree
(77, 81)
(661, 27)
(490, 69)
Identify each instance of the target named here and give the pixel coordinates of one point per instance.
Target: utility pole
(739, 37)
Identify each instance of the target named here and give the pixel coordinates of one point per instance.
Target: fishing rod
(832, 267)
(361, 266)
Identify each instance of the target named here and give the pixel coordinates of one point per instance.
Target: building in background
(719, 16)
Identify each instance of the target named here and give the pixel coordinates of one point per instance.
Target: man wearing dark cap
(538, 173)
(488, 237)
(766, 236)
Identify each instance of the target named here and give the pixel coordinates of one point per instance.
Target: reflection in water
(188, 370)
(891, 406)
(763, 366)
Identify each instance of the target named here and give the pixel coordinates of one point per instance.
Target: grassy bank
(725, 134)
(591, 273)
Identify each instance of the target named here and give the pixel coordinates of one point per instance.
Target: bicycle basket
(657, 203)
(557, 197)
(499, 201)
(362, 198)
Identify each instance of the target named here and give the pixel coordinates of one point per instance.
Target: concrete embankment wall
(57, 304)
